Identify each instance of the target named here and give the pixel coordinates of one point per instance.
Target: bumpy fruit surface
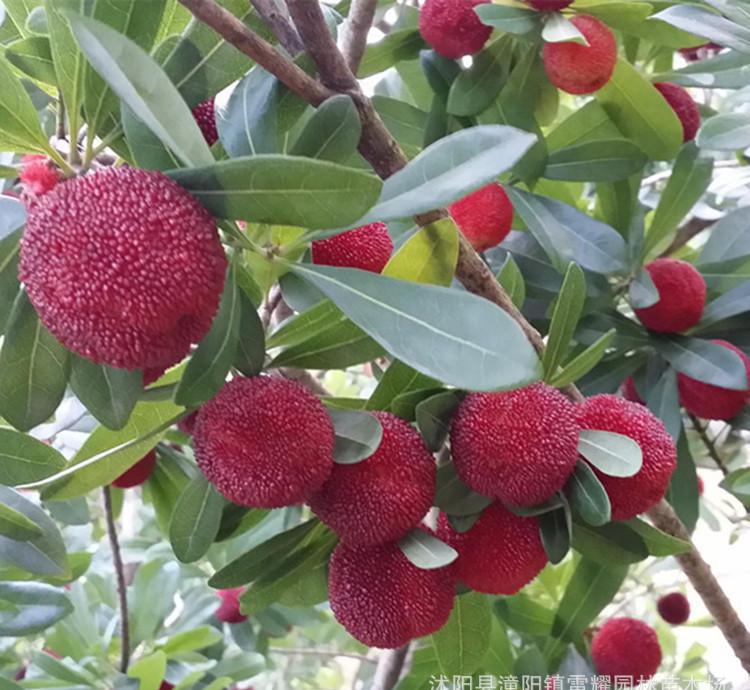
(205, 116)
(383, 599)
(264, 442)
(367, 248)
(711, 402)
(124, 267)
(383, 497)
(500, 554)
(626, 647)
(682, 297)
(549, 5)
(453, 28)
(581, 69)
(520, 446)
(631, 496)
(674, 608)
(38, 175)
(229, 609)
(684, 107)
(138, 473)
(484, 217)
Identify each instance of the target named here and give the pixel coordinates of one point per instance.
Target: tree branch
(693, 227)
(709, 444)
(122, 591)
(356, 28)
(389, 668)
(275, 17)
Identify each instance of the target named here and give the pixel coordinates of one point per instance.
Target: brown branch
(122, 589)
(273, 13)
(693, 227)
(355, 30)
(709, 444)
(389, 668)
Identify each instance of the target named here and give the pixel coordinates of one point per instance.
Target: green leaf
(612, 544)
(729, 239)
(191, 640)
(358, 435)
(642, 291)
(449, 169)
(586, 124)
(146, 148)
(511, 278)
(426, 551)
(33, 56)
(16, 526)
(555, 530)
(615, 455)
(587, 496)
(149, 670)
(462, 643)
(605, 160)
(398, 379)
(732, 303)
(142, 84)
(565, 316)
(641, 113)
(428, 256)
(31, 607)
(434, 416)
(582, 364)
(704, 361)
(332, 133)
(396, 46)
(19, 122)
(559, 29)
(453, 497)
(12, 216)
(282, 190)
(708, 25)
(207, 370)
(481, 348)
(682, 492)
(33, 368)
(195, 520)
(729, 132)
(109, 394)
(23, 459)
(664, 401)
(251, 342)
(513, 20)
(525, 615)
(659, 543)
(403, 121)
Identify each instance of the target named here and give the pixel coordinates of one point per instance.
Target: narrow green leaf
(147, 150)
(511, 278)
(732, 303)
(453, 497)
(23, 459)
(358, 435)
(32, 607)
(583, 363)
(19, 123)
(707, 24)
(514, 20)
(398, 379)
(332, 133)
(612, 544)
(426, 551)
(433, 417)
(462, 643)
(705, 361)
(16, 526)
(615, 455)
(524, 614)
(555, 530)
(559, 29)
(604, 160)
(251, 343)
(659, 543)
(33, 56)
(587, 496)
(402, 44)
(195, 520)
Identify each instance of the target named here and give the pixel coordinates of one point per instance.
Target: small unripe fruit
(519, 446)
(549, 5)
(229, 609)
(500, 554)
(631, 496)
(124, 267)
(684, 107)
(484, 217)
(205, 116)
(38, 175)
(138, 473)
(264, 442)
(626, 647)
(384, 496)
(453, 28)
(630, 392)
(674, 608)
(383, 599)
(707, 401)
(581, 69)
(367, 248)
(682, 297)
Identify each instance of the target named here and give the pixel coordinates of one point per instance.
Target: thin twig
(122, 592)
(60, 118)
(693, 227)
(709, 444)
(322, 653)
(355, 30)
(273, 13)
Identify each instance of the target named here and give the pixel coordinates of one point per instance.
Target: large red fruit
(367, 248)
(631, 496)
(205, 116)
(453, 28)
(124, 267)
(264, 442)
(549, 5)
(229, 609)
(674, 608)
(500, 554)
(520, 446)
(383, 497)
(626, 647)
(581, 69)
(484, 216)
(711, 402)
(138, 473)
(383, 599)
(682, 296)
(684, 107)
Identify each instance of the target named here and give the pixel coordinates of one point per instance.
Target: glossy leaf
(611, 544)
(461, 644)
(705, 361)
(453, 497)
(707, 24)
(426, 551)
(587, 496)
(729, 239)
(27, 608)
(19, 124)
(358, 436)
(195, 520)
(16, 526)
(555, 531)
(659, 543)
(514, 20)
(398, 379)
(605, 160)
(434, 416)
(524, 614)
(511, 278)
(332, 133)
(559, 29)
(615, 455)
(583, 363)
(251, 343)
(429, 256)
(567, 311)
(24, 459)
(664, 401)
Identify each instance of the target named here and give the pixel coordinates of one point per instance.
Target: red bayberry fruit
(674, 608)
(682, 297)
(520, 446)
(229, 609)
(500, 554)
(549, 5)
(684, 107)
(627, 648)
(700, 52)
(453, 28)
(707, 401)
(205, 116)
(383, 599)
(264, 442)
(581, 69)
(124, 267)
(631, 496)
(38, 175)
(166, 685)
(484, 217)
(187, 424)
(367, 248)
(138, 473)
(383, 497)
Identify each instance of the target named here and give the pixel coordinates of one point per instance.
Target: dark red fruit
(138, 473)
(229, 609)
(383, 497)
(684, 107)
(581, 69)
(453, 28)
(674, 608)
(187, 424)
(549, 5)
(367, 248)
(500, 554)
(627, 648)
(700, 52)
(124, 267)
(264, 442)
(520, 446)
(205, 116)
(484, 217)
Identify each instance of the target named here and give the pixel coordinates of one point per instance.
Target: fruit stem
(122, 591)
